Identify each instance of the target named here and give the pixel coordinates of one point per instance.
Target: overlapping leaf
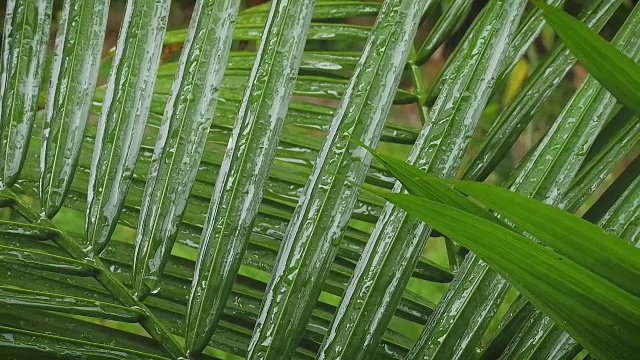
(73, 79)
(318, 224)
(24, 41)
(616, 71)
(123, 117)
(245, 168)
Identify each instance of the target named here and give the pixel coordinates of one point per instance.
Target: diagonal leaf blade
(512, 121)
(617, 72)
(24, 41)
(63, 303)
(44, 261)
(245, 168)
(452, 16)
(318, 223)
(378, 281)
(123, 117)
(70, 95)
(182, 136)
(600, 315)
(580, 241)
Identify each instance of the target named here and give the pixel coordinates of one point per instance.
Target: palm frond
(221, 192)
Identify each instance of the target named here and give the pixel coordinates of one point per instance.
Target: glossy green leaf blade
(547, 174)
(318, 223)
(614, 143)
(378, 281)
(103, 276)
(109, 281)
(515, 316)
(614, 192)
(623, 218)
(123, 117)
(72, 85)
(44, 261)
(552, 166)
(62, 325)
(323, 10)
(578, 240)
(452, 16)
(240, 312)
(600, 315)
(317, 31)
(269, 227)
(32, 232)
(506, 129)
(24, 42)
(22, 343)
(418, 183)
(63, 303)
(559, 229)
(616, 71)
(182, 136)
(245, 168)
(541, 337)
(526, 33)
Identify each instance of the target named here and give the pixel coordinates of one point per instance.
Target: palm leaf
(24, 42)
(616, 71)
(72, 86)
(245, 167)
(164, 179)
(583, 292)
(317, 225)
(123, 117)
(181, 138)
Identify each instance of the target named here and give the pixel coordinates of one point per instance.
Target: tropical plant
(221, 193)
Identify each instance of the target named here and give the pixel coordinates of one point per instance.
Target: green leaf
(74, 75)
(31, 232)
(614, 191)
(22, 343)
(597, 313)
(615, 142)
(19, 298)
(44, 261)
(515, 316)
(317, 31)
(617, 72)
(323, 10)
(539, 86)
(451, 18)
(417, 183)
(552, 165)
(546, 173)
(578, 240)
(240, 312)
(245, 168)
(555, 343)
(317, 226)
(62, 325)
(24, 41)
(378, 282)
(622, 217)
(563, 231)
(123, 117)
(267, 226)
(527, 31)
(181, 139)
(560, 152)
